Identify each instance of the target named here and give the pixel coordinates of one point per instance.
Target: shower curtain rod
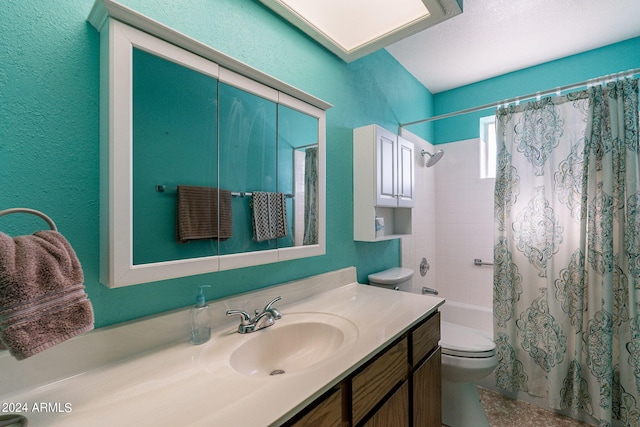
(517, 99)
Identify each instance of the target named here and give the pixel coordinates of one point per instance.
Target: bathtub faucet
(432, 291)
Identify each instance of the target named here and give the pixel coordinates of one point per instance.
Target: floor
(503, 411)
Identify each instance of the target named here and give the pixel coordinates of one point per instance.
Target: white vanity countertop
(182, 384)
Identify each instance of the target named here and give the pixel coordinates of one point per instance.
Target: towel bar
(249, 194)
(163, 188)
(479, 262)
(49, 221)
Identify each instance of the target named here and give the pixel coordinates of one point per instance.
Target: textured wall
(49, 135)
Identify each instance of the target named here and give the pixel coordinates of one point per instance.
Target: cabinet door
(405, 173)
(394, 412)
(427, 392)
(327, 413)
(386, 168)
(246, 125)
(371, 385)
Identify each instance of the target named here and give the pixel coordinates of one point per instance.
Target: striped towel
(203, 213)
(269, 215)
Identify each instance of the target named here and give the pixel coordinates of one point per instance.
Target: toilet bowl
(470, 355)
(467, 356)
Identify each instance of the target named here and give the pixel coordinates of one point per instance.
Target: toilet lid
(456, 340)
(391, 276)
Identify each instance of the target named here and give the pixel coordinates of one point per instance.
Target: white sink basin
(295, 343)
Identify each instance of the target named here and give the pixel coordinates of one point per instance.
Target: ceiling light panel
(354, 28)
(354, 23)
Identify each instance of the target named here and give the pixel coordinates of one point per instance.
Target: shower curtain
(311, 197)
(567, 251)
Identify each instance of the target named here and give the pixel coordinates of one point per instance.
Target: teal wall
(49, 132)
(572, 69)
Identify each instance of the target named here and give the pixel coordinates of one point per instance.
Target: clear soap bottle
(200, 319)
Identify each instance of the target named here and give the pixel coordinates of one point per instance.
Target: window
(488, 147)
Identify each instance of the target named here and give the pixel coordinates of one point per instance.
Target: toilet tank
(394, 278)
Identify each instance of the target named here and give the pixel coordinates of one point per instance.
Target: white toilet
(467, 356)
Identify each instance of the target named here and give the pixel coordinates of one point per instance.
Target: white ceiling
(494, 37)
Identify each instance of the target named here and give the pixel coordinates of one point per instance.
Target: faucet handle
(245, 318)
(274, 311)
(268, 306)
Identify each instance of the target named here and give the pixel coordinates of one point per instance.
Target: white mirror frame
(116, 215)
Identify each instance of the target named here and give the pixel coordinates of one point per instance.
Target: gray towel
(203, 213)
(269, 215)
(42, 298)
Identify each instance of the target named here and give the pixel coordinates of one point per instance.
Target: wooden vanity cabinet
(326, 411)
(395, 410)
(426, 374)
(425, 338)
(379, 378)
(400, 387)
(427, 392)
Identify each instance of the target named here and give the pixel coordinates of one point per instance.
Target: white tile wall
(452, 224)
(422, 243)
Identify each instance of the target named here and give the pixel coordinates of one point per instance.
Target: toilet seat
(461, 341)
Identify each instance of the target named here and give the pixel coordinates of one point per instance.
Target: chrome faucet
(432, 291)
(262, 320)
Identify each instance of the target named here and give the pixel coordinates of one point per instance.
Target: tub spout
(432, 291)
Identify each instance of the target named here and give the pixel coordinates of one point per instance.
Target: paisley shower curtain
(567, 251)
(311, 197)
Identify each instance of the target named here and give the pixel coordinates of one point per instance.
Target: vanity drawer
(425, 338)
(371, 385)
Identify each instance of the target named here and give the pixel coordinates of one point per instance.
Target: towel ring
(33, 212)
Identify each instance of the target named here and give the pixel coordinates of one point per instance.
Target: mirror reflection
(298, 174)
(248, 142)
(174, 143)
(217, 170)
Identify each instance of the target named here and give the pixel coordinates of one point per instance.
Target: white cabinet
(382, 184)
(394, 165)
(405, 173)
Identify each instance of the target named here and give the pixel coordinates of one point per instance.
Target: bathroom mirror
(298, 174)
(174, 141)
(248, 142)
(172, 118)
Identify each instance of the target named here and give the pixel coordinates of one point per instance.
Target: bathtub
(472, 316)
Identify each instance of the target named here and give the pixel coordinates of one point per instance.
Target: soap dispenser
(200, 319)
